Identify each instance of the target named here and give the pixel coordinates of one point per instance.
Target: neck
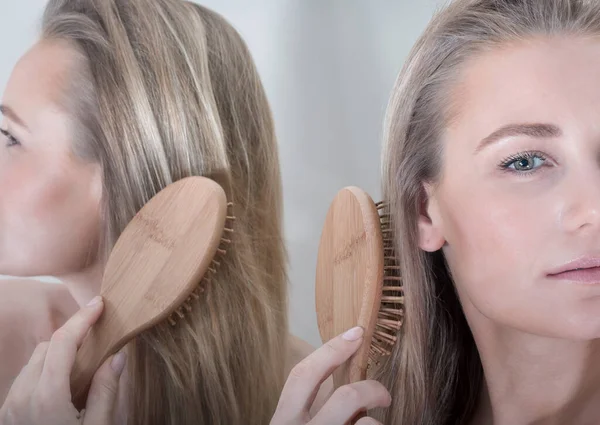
(84, 284)
(536, 380)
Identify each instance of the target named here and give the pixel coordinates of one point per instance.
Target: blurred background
(328, 67)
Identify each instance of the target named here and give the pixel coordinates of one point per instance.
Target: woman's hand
(41, 394)
(345, 403)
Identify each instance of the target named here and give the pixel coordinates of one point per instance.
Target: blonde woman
(118, 99)
(492, 170)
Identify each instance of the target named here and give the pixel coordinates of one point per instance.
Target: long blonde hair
(435, 373)
(166, 89)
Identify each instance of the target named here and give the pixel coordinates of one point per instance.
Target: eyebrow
(536, 130)
(12, 115)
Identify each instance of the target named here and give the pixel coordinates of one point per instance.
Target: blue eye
(523, 162)
(11, 140)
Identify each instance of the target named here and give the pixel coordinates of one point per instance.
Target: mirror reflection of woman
(116, 100)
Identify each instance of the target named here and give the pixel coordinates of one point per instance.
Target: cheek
(49, 214)
(498, 250)
(34, 191)
(491, 234)
(495, 244)
(19, 193)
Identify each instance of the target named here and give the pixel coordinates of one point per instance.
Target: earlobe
(431, 235)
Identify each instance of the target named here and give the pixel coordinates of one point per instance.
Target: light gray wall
(328, 67)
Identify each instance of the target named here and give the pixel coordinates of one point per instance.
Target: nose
(581, 209)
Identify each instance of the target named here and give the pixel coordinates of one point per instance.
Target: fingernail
(389, 402)
(353, 334)
(118, 362)
(94, 301)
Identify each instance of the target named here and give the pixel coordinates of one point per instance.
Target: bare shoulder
(30, 311)
(298, 350)
(29, 302)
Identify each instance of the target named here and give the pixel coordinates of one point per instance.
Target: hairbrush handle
(353, 370)
(97, 346)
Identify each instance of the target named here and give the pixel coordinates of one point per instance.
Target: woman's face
(517, 208)
(49, 199)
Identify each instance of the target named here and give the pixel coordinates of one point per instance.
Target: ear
(431, 236)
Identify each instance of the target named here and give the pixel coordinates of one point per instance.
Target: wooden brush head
(155, 265)
(349, 280)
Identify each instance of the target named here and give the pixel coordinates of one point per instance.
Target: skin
(49, 207)
(297, 404)
(37, 395)
(49, 212)
(503, 230)
(39, 309)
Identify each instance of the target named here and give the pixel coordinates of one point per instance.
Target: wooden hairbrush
(161, 262)
(358, 280)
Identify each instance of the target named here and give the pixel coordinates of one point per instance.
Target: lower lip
(589, 276)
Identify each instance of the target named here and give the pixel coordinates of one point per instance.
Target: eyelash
(12, 141)
(528, 155)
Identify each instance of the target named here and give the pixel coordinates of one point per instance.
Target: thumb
(102, 396)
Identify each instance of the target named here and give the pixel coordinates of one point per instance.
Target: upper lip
(586, 262)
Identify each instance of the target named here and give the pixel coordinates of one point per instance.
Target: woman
(491, 169)
(117, 100)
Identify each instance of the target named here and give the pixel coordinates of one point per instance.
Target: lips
(583, 270)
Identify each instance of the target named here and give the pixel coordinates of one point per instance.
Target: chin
(16, 272)
(21, 267)
(584, 325)
(9, 268)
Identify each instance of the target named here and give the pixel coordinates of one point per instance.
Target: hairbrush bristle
(391, 312)
(178, 314)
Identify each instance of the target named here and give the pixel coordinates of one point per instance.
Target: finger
(30, 374)
(368, 421)
(306, 377)
(36, 361)
(64, 344)
(351, 399)
(102, 397)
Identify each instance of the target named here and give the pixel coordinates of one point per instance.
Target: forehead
(39, 80)
(541, 80)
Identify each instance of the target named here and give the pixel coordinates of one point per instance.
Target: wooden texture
(159, 259)
(350, 275)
